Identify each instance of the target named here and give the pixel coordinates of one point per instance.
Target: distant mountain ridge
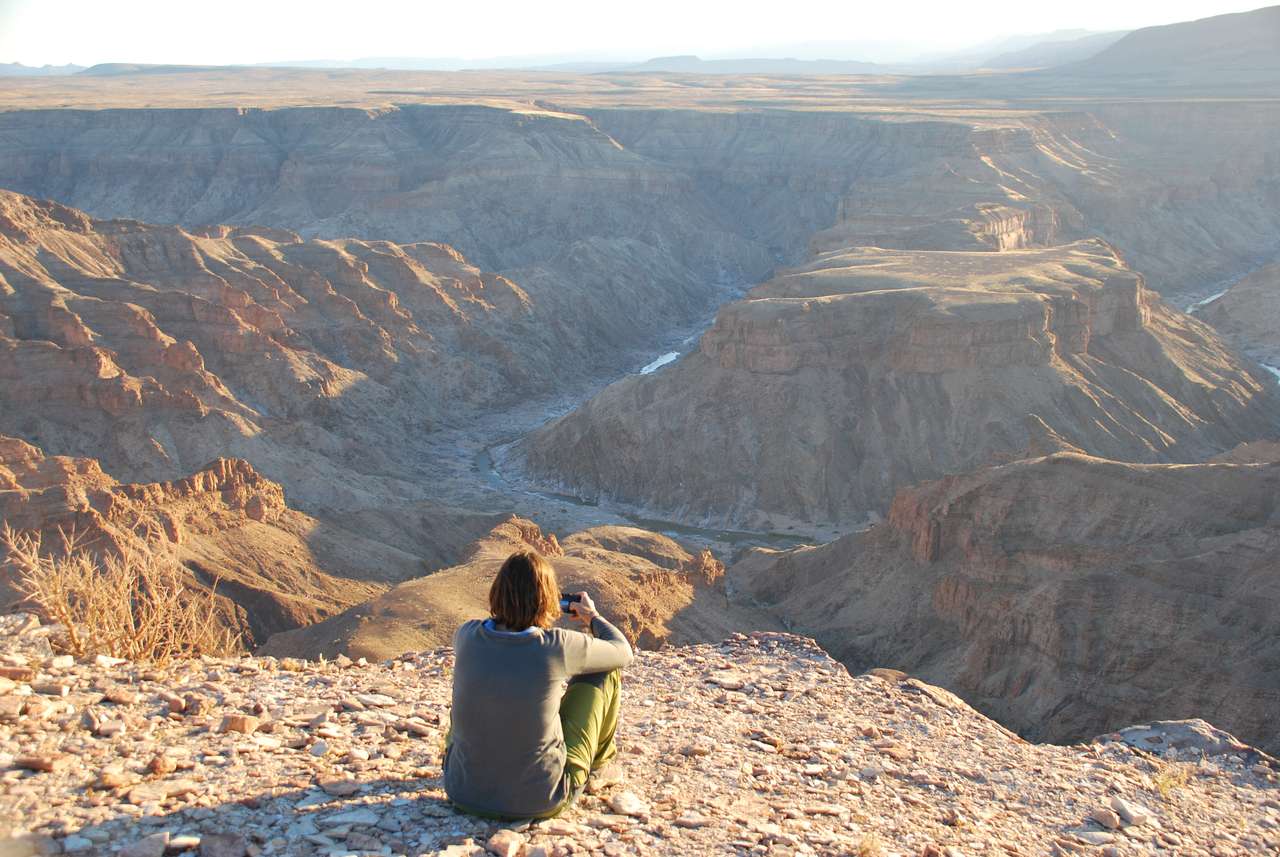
(1224, 46)
(757, 65)
(17, 69)
(1051, 53)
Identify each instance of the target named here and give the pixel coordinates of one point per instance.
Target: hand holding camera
(578, 605)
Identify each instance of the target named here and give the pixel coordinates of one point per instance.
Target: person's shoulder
(469, 628)
(562, 637)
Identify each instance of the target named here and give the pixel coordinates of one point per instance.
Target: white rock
(628, 803)
(1131, 813)
(354, 816)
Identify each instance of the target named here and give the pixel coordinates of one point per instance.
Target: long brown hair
(525, 593)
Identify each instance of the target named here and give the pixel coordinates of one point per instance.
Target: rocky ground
(759, 745)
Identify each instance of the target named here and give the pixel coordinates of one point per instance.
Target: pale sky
(215, 32)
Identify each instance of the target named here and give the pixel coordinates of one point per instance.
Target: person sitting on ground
(521, 744)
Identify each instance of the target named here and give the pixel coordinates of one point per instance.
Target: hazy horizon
(37, 32)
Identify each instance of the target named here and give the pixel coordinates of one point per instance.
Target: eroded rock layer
(1065, 595)
(837, 383)
(155, 349)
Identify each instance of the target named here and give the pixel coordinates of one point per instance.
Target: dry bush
(135, 604)
(870, 846)
(1170, 777)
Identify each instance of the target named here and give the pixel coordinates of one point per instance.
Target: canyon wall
(1065, 596)
(1248, 314)
(568, 197)
(155, 349)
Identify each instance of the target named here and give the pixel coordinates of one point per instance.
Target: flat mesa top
(971, 97)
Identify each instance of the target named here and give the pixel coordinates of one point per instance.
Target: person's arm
(608, 650)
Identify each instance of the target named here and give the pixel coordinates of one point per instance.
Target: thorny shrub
(135, 604)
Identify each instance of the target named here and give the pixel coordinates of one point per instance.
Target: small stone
(363, 842)
(367, 817)
(22, 674)
(106, 661)
(340, 788)
(45, 763)
(319, 748)
(223, 845)
(112, 780)
(505, 843)
(1107, 818)
(1131, 813)
(72, 844)
(149, 846)
(245, 723)
(110, 729)
(161, 764)
(184, 842)
(51, 688)
(627, 803)
(121, 696)
(62, 662)
(692, 820)
(160, 790)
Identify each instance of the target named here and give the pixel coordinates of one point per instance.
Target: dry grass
(870, 846)
(137, 604)
(1171, 777)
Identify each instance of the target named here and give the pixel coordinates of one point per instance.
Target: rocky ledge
(759, 745)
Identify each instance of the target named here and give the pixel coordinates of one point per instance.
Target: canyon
(339, 341)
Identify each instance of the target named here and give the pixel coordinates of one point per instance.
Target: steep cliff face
(274, 567)
(1188, 191)
(1064, 596)
(837, 383)
(1248, 314)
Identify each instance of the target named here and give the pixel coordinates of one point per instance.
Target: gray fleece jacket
(506, 756)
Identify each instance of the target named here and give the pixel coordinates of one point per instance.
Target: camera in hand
(566, 600)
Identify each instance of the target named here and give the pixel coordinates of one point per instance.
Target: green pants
(589, 718)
